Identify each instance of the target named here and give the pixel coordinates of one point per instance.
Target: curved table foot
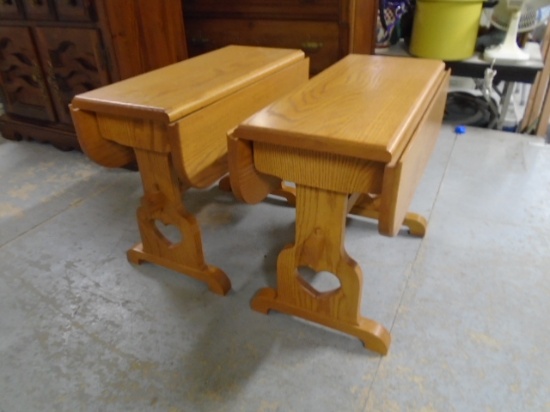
(215, 278)
(372, 334)
(369, 206)
(261, 302)
(417, 224)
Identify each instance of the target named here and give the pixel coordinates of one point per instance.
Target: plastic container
(445, 29)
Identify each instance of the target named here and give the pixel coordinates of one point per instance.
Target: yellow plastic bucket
(445, 29)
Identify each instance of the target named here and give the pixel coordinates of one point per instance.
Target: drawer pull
(311, 46)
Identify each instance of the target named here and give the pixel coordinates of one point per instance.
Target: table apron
(322, 170)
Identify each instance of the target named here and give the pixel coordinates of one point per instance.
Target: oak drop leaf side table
(354, 139)
(174, 122)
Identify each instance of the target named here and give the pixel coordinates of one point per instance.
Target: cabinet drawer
(10, 9)
(291, 9)
(75, 10)
(38, 9)
(319, 40)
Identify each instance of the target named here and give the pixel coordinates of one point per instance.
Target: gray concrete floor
(81, 329)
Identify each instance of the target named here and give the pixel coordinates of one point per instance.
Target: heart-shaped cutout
(320, 282)
(170, 232)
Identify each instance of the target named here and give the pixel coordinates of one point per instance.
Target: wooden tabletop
(169, 93)
(363, 106)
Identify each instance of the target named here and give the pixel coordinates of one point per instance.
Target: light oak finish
(354, 139)
(174, 121)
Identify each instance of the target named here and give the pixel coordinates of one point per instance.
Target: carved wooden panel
(76, 10)
(74, 61)
(51, 50)
(38, 9)
(24, 87)
(10, 9)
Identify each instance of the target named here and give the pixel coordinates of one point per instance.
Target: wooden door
(74, 61)
(23, 80)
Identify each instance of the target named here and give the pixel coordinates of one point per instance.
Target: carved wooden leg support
(369, 206)
(320, 226)
(162, 201)
(285, 191)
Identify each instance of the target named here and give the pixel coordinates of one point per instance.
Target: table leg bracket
(373, 335)
(215, 278)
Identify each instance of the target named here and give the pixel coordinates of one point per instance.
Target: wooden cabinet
(326, 30)
(51, 50)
